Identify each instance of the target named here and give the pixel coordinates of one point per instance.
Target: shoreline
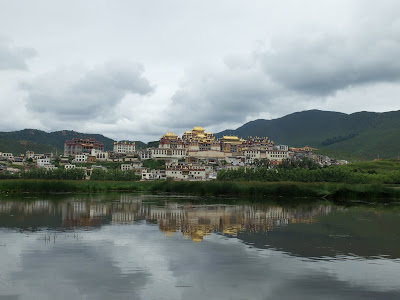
(340, 192)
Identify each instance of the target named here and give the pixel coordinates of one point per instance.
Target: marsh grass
(333, 191)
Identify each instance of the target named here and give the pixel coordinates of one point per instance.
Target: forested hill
(40, 141)
(365, 134)
(18, 142)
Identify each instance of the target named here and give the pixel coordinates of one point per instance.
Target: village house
(50, 167)
(145, 154)
(153, 175)
(42, 162)
(126, 167)
(81, 158)
(99, 154)
(64, 160)
(29, 155)
(185, 172)
(18, 160)
(7, 156)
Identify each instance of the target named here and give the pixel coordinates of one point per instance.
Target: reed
(334, 191)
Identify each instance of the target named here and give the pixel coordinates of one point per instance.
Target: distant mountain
(365, 134)
(18, 142)
(362, 135)
(40, 141)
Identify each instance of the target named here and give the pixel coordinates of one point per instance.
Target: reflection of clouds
(237, 271)
(68, 270)
(139, 262)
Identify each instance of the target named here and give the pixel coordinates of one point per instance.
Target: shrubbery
(328, 174)
(59, 174)
(115, 175)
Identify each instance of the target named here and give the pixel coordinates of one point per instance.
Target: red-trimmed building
(81, 146)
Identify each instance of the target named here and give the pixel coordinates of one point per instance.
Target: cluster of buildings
(196, 155)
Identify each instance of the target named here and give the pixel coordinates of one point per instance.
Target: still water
(119, 246)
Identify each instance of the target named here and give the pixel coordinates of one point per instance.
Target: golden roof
(169, 134)
(230, 137)
(198, 128)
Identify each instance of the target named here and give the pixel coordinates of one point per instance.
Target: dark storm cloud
(221, 96)
(14, 58)
(291, 72)
(94, 94)
(327, 63)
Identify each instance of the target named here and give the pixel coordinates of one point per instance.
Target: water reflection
(193, 221)
(153, 247)
(318, 230)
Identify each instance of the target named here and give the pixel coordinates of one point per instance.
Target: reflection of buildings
(194, 221)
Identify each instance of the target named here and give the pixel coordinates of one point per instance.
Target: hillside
(40, 141)
(21, 146)
(363, 134)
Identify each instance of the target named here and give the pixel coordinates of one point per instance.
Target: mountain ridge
(367, 134)
(18, 142)
(364, 134)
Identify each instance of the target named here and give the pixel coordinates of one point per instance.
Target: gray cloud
(323, 63)
(94, 95)
(14, 58)
(337, 55)
(294, 72)
(221, 95)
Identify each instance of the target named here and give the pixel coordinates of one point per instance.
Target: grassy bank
(334, 191)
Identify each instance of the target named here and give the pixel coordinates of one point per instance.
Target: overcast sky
(135, 69)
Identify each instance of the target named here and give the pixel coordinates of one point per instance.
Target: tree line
(60, 174)
(326, 174)
(115, 174)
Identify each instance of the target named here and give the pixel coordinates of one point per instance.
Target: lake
(131, 246)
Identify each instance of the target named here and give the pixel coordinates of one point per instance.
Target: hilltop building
(124, 147)
(79, 146)
(182, 171)
(231, 144)
(199, 140)
(170, 146)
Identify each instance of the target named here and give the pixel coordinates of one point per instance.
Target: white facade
(29, 154)
(80, 158)
(41, 162)
(100, 155)
(145, 154)
(281, 147)
(7, 155)
(168, 153)
(37, 156)
(124, 147)
(69, 166)
(50, 167)
(275, 155)
(126, 167)
(153, 175)
(186, 172)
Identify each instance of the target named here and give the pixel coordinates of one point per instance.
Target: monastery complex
(196, 155)
(200, 144)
